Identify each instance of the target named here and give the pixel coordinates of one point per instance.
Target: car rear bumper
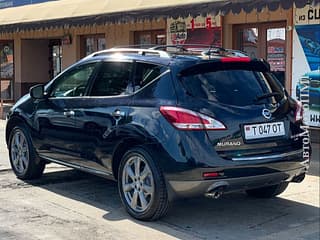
(225, 185)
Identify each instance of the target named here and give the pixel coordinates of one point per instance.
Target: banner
(306, 62)
(15, 3)
(200, 30)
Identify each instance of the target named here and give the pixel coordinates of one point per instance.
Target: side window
(73, 83)
(113, 79)
(145, 73)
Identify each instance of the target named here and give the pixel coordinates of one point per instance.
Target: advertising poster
(306, 62)
(6, 69)
(199, 30)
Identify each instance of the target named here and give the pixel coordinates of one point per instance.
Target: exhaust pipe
(299, 178)
(214, 193)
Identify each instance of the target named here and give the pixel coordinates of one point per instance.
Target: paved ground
(66, 204)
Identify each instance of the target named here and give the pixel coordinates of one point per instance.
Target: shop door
(264, 40)
(55, 57)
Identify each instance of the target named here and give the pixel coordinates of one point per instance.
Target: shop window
(249, 41)
(6, 70)
(264, 40)
(276, 51)
(55, 57)
(92, 43)
(153, 37)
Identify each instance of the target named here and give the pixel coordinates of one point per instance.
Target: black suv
(164, 124)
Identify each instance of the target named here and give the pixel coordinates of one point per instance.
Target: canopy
(85, 12)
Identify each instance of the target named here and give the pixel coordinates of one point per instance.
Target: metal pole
(1, 109)
(1, 100)
(0, 72)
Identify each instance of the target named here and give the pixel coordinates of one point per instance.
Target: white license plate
(264, 130)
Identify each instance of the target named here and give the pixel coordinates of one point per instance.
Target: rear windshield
(232, 86)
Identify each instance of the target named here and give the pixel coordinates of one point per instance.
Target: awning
(68, 13)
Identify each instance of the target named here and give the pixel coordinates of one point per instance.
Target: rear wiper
(267, 95)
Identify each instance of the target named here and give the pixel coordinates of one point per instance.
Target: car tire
(141, 185)
(268, 192)
(23, 159)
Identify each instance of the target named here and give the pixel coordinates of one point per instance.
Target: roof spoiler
(235, 63)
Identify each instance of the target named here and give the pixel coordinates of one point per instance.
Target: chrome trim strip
(267, 157)
(78, 167)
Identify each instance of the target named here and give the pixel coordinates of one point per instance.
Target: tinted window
(113, 79)
(145, 73)
(234, 87)
(73, 82)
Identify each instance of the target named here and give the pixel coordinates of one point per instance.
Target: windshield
(233, 87)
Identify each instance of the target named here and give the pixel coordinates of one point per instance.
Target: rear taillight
(298, 115)
(185, 119)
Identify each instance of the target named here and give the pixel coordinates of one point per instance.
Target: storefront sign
(199, 30)
(307, 15)
(306, 62)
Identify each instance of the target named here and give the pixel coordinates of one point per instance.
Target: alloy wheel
(19, 152)
(137, 183)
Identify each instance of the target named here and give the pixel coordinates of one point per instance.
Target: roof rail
(167, 51)
(201, 49)
(180, 47)
(144, 46)
(140, 51)
(187, 47)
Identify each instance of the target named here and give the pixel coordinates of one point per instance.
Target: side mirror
(37, 91)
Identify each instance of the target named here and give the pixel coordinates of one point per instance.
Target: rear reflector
(210, 174)
(235, 59)
(299, 112)
(185, 119)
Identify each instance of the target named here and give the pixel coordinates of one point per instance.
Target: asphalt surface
(67, 204)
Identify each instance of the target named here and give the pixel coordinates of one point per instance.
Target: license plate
(264, 130)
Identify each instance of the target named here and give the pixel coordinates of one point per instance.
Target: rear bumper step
(269, 157)
(214, 188)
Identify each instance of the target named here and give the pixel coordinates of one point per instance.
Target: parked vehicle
(164, 125)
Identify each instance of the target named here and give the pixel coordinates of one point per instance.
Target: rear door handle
(69, 113)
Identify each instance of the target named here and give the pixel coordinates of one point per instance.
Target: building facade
(36, 47)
